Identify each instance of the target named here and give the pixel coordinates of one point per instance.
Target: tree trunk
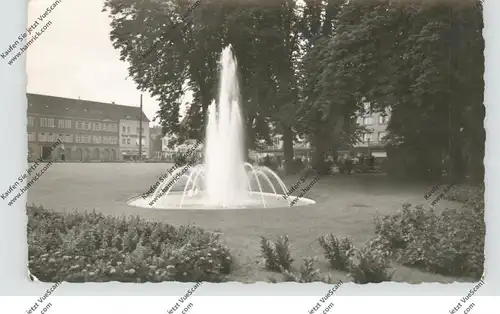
(320, 146)
(288, 149)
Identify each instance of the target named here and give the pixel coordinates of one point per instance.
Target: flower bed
(450, 243)
(78, 247)
(471, 195)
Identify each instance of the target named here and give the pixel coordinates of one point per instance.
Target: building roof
(59, 106)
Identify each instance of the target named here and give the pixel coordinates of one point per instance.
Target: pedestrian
(348, 163)
(63, 157)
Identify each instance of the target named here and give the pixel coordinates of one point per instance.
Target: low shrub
(369, 265)
(277, 255)
(337, 250)
(449, 243)
(270, 162)
(396, 229)
(297, 166)
(79, 247)
(179, 158)
(471, 195)
(308, 273)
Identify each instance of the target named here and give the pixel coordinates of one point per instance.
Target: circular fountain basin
(255, 200)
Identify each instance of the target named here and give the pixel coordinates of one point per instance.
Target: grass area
(346, 206)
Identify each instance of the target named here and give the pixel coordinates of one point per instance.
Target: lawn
(345, 205)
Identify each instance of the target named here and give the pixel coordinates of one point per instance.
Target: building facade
(376, 122)
(155, 142)
(130, 135)
(88, 131)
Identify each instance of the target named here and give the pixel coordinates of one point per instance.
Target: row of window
(127, 141)
(126, 129)
(96, 139)
(80, 125)
(96, 126)
(368, 137)
(68, 138)
(382, 119)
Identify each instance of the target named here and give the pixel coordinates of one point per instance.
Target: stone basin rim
(302, 202)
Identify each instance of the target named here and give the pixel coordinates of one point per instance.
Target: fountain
(225, 180)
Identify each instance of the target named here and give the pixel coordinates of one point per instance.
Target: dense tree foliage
(306, 68)
(425, 61)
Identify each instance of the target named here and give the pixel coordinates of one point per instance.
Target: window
(79, 125)
(59, 137)
(67, 124)
(51, 123)
(143, 141)
(124, 141)
(114, 127)
(96, 139)
(383, 119)
(367, 120)
(97, 126)
(86, 126)
(60, 124)
(128, 141)
(105, 127)
(31, 136)
(31, 121)
(381, 136)
(124, 129)
(128, 129)
(69, 138)
(43, 122)
(367, 138)
(78, 138)
(42, 137)
(114, 140)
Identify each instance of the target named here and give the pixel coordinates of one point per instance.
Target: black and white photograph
(334, 141)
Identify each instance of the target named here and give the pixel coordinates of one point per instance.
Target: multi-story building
(372, 142)
(376, 123)
(130, 132)
(155, 142)
(301, 148)
(87, 130)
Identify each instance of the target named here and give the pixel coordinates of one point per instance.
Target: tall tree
(424, 61)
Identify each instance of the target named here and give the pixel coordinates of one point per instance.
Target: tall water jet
(225, 180)
(225, 177)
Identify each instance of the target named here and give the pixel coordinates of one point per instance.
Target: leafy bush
(337, 250)
(277, 255)
(450, 243)
(270, 162)
(397, 228)
(308, 273)
(369, 265)
(297, 166)
(179, 159)
(471, 195)
(80, 247)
